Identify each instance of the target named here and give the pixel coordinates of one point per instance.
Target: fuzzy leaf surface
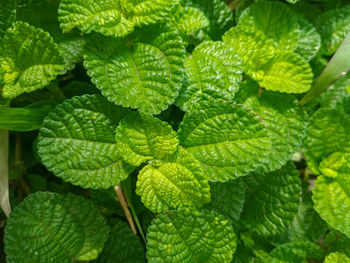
(337, 257)
(213, 70)
(144, 71)
(29, 60)
(142, 137)
(77, 142)
(272, 200)
(187, 235)
(334, 206)
(175, 181)
(50, 227)
(227, 139)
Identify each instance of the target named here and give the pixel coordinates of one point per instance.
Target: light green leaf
(228, 198)
(286, 72)
(186, 235)
(43, 14)
(144, 71)
(112, 17)
(284, 121)
(29, 60)
(227, 139)
(272, 200)
(142, 137)
(331, 195)
(309, 39)
(188, 21)
(122, 246)
(50, 227)
(213, 70)
(175, 181)
(333, 25)
(252, 46)
(76, 142)
(337, 257)
(217, 12)
(328, 131)
(7, 15)
(275, 21)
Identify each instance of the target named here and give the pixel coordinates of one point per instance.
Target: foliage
(174, 131)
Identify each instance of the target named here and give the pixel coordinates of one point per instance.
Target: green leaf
(122, 246)
(142, 137)
(284, 121)
(175, 181)
(50, 227)
(286, 72)
(334, 206)
(187, 235)
(188, 21)
(337, 257)
(112, 17)
(228, 198)
(77, 142)
(227, 139)
(333, 25)
(309, 40)
(275, 21)
(25, 119)
(43, 14)
(7, 15)
(272, 200)
(217, 12)
(144, 71)
(328, 131)
(29, 60)
(336, 241)
(252, 46)
(297, 251)
(213, 70)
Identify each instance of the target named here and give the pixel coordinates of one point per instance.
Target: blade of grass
(338, 66)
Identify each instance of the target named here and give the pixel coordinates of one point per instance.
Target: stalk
(338, 66)
(4, 172)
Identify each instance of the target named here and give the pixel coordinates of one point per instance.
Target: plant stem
(337, 67)
(119, 191)
(4, 172)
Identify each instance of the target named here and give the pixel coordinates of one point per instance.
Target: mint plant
(174, 131)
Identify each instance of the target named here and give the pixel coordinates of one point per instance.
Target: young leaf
(77, 142)
(7, 15)
(272, 200)
(50, 227)
(213, 70)
(112, 17)
(142, 137)
(337, 257)
(144, 71)
(175, 181)
(187, 235)
(283, 120)
(228, 140)
(217, 12)
(328, 131)
(29, 60)
(275, 21)
(333, 26)
(334, 206)
(122, 246)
